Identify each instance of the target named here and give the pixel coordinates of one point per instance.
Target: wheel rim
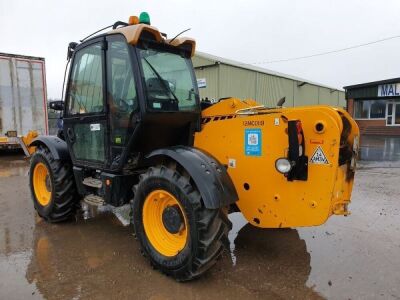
(42, 184)
(167, 243)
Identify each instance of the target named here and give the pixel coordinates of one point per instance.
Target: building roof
(372, 83)
(225, 61)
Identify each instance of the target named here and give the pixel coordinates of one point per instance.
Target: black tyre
(181, 237)
(52, 186)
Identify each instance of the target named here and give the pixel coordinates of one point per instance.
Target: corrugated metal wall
(211, 75)
(226, 80)
(237, 82)
(305, 95)
(271, 88)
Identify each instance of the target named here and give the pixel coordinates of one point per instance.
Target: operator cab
(129, 91)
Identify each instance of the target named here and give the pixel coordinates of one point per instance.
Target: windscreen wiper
(167, 88)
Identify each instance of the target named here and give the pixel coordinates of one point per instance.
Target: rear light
(299, 129)
(296, 153)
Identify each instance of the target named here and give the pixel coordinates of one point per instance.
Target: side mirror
(71, 48)
(57, 105)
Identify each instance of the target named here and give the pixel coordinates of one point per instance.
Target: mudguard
(57, 146)
(211, 178)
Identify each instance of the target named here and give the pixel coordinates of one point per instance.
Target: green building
(219, 78)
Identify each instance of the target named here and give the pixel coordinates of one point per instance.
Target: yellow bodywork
(266, 198)
(132, 34)
(28, 139)
(21, 141)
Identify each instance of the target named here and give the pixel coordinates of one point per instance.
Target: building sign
(389, 90)
(201, 83)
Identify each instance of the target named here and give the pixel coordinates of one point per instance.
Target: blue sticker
(252, 142)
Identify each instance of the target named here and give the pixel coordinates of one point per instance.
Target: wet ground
(380, 148)
(355, 257)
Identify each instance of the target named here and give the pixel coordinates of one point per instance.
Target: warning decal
(319, 157)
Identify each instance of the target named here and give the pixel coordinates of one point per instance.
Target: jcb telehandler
(134, 132)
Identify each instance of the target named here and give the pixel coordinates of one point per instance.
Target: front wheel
(181, 237)
(52, 186)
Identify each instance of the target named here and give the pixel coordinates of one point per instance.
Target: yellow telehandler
(134, 131)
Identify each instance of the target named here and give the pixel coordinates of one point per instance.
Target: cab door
(85, 122)
(122, 97)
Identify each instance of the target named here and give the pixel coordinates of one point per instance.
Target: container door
(85, 123)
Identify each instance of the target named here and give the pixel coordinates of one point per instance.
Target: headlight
(283, 165)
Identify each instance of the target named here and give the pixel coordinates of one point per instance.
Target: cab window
(86, 84)
(121, 84)
(169, 80)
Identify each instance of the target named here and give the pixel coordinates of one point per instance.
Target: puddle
(123, 215)
(99, 258)
(12, 272)
(13, 165)
(378, 148)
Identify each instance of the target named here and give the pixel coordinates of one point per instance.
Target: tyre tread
(65, 193)
(213, 226)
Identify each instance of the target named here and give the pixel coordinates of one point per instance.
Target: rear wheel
(177, 233)
(52, 186)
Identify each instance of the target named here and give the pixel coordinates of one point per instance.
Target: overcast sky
(247, 31)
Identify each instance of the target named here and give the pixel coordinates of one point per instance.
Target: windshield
(169, 80)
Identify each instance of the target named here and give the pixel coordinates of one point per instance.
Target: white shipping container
(23, 99)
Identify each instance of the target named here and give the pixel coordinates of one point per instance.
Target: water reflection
(13, 164)
(98, 258)
(274, 259)
(67, 257)
(378, 148)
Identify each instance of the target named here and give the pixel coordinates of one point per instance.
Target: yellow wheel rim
(166, 243)
(42, 184)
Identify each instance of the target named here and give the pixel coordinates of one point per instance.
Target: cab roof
(133, 33)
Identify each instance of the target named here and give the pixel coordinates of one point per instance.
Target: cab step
(92, 182)
(94, 200)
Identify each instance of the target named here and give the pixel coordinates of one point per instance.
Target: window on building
(370, 109)
(378, 109)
